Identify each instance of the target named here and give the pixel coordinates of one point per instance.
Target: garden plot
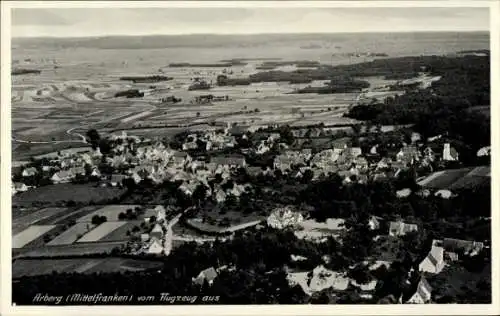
(101, 231)
(110, 212)
(71, 235)
(30, 234)
(21, 223)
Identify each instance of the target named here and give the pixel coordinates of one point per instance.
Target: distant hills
(214, 41)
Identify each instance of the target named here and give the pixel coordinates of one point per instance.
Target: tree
(199, 193)
(104, 146)
(98, 220)
(93, 137)
(122, 216)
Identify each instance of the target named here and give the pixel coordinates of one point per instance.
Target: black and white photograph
(240, 154)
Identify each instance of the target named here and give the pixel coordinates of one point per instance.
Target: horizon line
(247, 34)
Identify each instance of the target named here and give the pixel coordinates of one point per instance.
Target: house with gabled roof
(208, 275)
(421, 294)
(95, 173)
(449, 153)
(19, 187)
(29, 172)
(156, 232)
(63, 176)
(155, 246)
(434, 261)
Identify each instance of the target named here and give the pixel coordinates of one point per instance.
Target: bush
(98, 220)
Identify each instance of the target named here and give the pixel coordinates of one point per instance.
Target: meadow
(31, 267)
(100, 231)
(109, 211)
(53, 194)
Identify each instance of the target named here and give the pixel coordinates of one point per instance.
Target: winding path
(71, 132)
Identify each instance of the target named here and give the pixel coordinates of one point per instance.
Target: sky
(83, 22)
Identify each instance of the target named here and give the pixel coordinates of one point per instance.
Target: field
(52, 194)
(21, 223)
(453, 179)
(26, 236)
(71, 235)
(76, 249)
(100, 231)
(69, 216)
(110, 211)
(31, 267)
(121, 232)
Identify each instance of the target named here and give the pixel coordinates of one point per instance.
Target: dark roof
(254, 170)
(180, 154)
(117, 177)
(459, 245)
(239, 161)
(237, 130)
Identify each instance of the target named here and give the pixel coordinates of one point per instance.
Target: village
(205, 167)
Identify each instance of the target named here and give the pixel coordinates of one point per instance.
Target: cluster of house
(266, 144)
(213, 140)
(448, 250)
(284, 217)
(209, 275)
(62, 169)
(352, 165)
(417, 291)
(158, 241)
